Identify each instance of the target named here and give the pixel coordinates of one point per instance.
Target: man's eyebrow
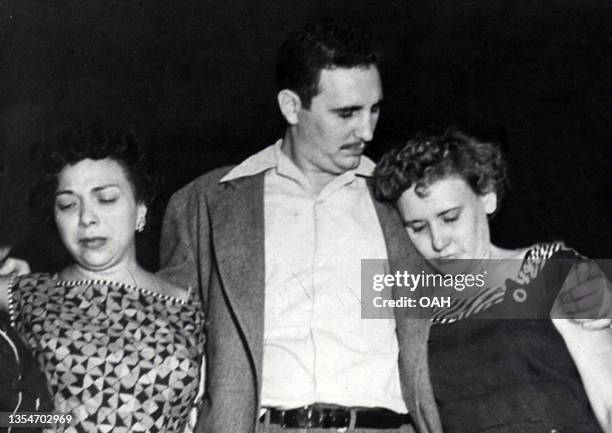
(356, 107)
(347, 108)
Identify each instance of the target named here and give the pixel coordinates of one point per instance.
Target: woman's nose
(87, 215)
(439, 239)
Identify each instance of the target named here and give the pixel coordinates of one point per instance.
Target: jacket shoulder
(201, 184)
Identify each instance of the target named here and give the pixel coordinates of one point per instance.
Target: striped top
(461, 308)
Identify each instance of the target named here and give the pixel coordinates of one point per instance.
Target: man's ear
(290, 104)
(489, 201)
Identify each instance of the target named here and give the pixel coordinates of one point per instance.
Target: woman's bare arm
(592, 353)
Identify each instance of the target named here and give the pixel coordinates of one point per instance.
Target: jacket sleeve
(181, 254)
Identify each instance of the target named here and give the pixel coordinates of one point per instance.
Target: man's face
(333, 132)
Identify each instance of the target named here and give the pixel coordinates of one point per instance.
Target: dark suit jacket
(213, 238)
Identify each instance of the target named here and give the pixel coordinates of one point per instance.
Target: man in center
(276, 244)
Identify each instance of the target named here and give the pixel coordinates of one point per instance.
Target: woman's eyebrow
(444, 212)
(64, 192)
(103, 187)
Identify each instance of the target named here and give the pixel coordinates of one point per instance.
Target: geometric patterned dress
(118, 358)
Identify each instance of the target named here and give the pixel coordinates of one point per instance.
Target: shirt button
(520, 295)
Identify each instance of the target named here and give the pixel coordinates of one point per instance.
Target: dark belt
(322, 416)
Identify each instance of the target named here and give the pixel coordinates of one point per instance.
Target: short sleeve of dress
(27, 299)
(532, 293)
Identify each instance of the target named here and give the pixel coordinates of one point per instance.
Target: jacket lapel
(413, 328)
(400, 251)
(237, 218)
(402, 254)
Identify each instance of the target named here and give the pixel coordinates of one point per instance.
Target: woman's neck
(126, 273)
(504, 264)
(502, 253)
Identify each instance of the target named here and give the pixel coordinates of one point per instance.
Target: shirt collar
(273, 157)
(365, 168)
(261, 161)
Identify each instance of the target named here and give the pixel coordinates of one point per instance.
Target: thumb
(16, 266)
(4, 252)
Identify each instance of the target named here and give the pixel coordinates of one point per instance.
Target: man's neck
(317, 178)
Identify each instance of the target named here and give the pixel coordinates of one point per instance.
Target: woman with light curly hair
(514, 370)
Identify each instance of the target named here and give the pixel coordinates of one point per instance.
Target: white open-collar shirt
(317, 348)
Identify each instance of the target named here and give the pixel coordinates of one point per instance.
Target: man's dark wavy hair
(326, 44)
(94, 141)
(426, 159)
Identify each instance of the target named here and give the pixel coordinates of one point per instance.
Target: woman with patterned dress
(120, 348)
(514, 370)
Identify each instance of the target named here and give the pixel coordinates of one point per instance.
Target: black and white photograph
(306, 216)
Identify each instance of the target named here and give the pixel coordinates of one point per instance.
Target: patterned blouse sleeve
(21, 301)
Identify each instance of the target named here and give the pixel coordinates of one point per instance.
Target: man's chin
(350, 162)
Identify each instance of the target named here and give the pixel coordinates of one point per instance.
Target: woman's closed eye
(416, 227)
(108, 197)
(107, 200)
(451, 216)
(64, 205)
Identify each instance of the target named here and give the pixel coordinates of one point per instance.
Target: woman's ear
(489, 202)
(290, 104)
(141, 217)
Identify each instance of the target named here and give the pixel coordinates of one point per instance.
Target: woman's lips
(448, 257)
(93, 243)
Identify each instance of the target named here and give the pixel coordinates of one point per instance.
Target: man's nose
(365, 129)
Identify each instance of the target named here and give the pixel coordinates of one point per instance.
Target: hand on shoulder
(9, 267)
(13, 267)
(586, 296)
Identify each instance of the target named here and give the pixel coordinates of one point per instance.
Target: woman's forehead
(436, 197)
(90, 173)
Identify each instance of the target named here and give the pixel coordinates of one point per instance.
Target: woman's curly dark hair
(93, 141)
(426, 159)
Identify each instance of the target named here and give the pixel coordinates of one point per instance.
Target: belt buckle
(308, 418)
(315, 416)
(300, 418)
(339, 418)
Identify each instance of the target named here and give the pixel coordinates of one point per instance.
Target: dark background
(194, 79)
